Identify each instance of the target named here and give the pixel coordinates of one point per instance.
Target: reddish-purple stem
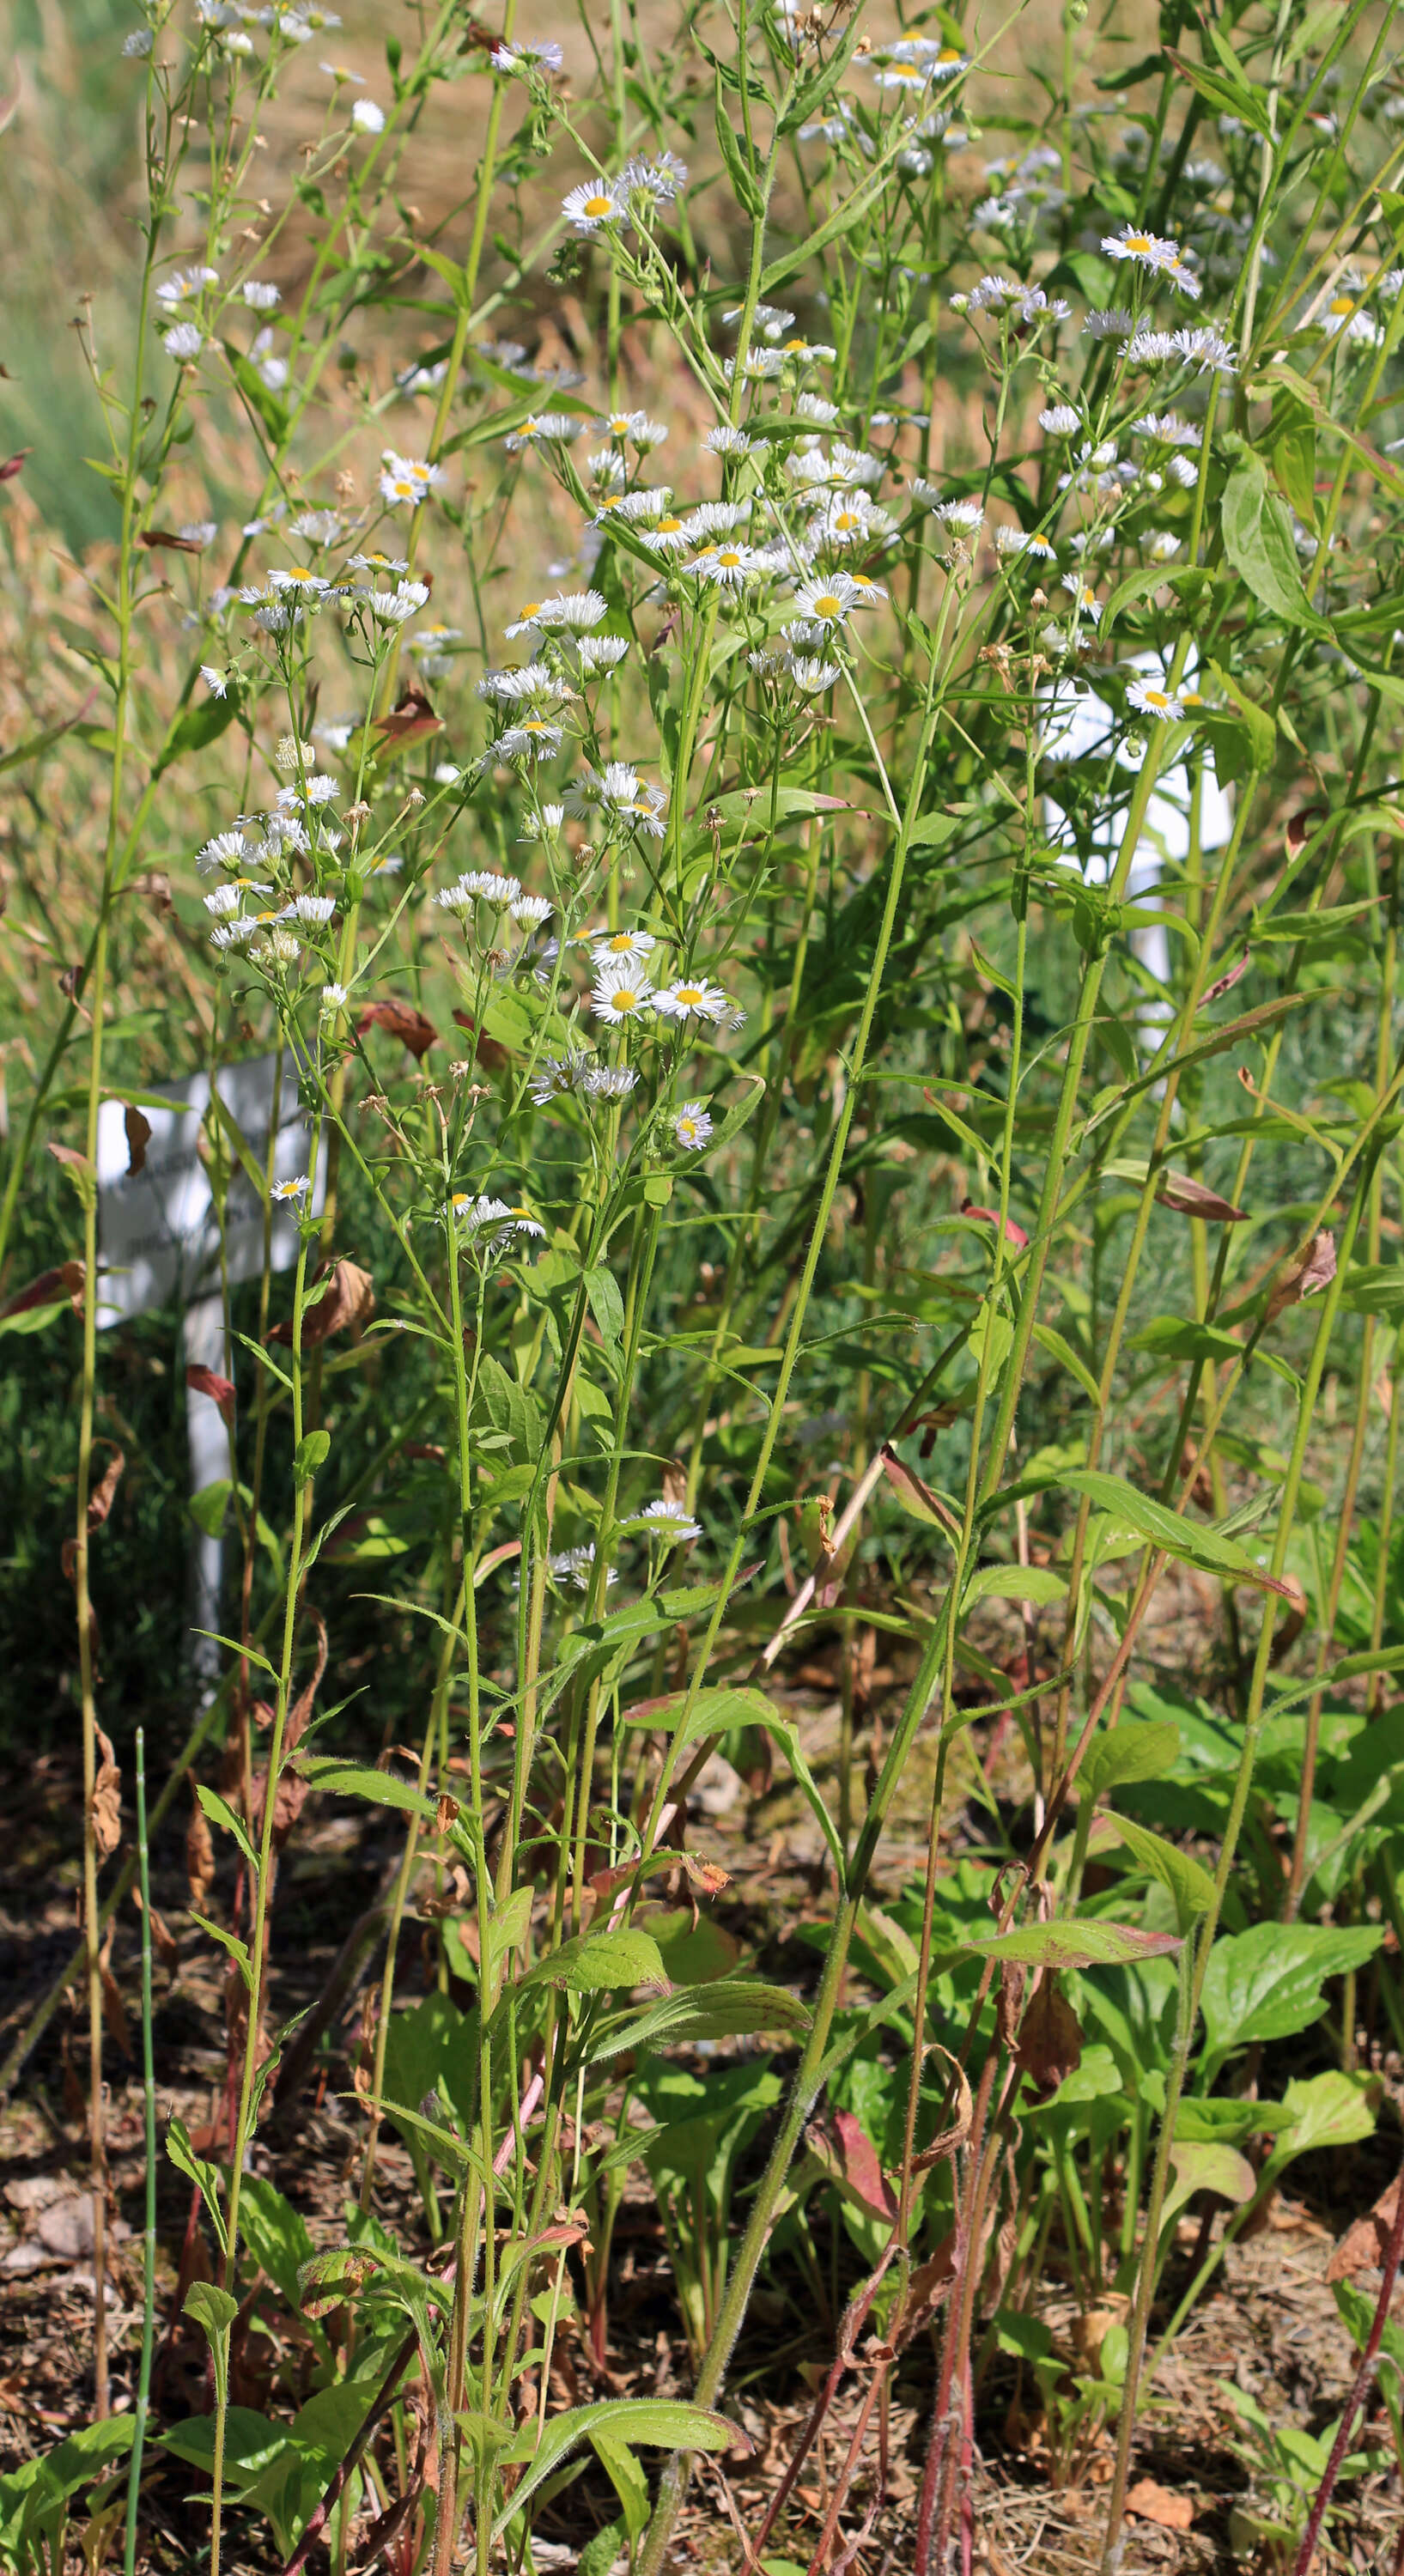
(1359, 2387)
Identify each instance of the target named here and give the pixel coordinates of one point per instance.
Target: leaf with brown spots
(107, 1800)
(1050, 2037)
(1226, 982)
(400, 1020)
(138, 1131)
(207, 1381)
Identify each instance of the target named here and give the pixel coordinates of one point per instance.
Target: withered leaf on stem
(400, 1020)
(107, 1800)
(916, 1494)
(485, 1051)
(207, 1381)
(1312, 1268)
(49, 1289)
(163, 1940)
(100, 1502)
(410, 720)
(199, 1856)
(862, 2168)
(1226, 982)
(175, 545)
(113, 2009)
(1362, 2248)
(1191, 1198)
(347, 1301)
(138, 1132)
(1050, 2036)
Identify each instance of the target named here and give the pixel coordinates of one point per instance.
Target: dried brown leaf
(1226, 982)
(113, 2010)
(166, 538)
(918, 1496)
(199, 1857)
(400, 1020)
(1362, 2248)
(163, 1940)
(107, 1800)
(347, 1302)
(1313, 1267)
(410, 720)
(138, 1133)
(1152, 2503)
(485, 1051)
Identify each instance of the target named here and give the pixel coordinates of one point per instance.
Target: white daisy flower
(692, 997)
(621, 993)
(828, 600)
(367, 117)
(1154, 253)
(668, 1521)
(692, 1126)
(593, 203)
(1150, 701)
(287, 1190)
(621, 943)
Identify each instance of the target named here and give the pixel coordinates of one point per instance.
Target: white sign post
(160, 1240)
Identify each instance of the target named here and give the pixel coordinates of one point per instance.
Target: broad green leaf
(648, 2423)
(1257, 532)
(1204, 2167)
(1268, 1982)
(1143, 1750)
(598, 1963)
(1186, 1540)
(1062, 1944)
(727, 2008)
(361, 1780)
(251, 2440)
(1186, 1879)
(1327, 2110)
(1015, 1583)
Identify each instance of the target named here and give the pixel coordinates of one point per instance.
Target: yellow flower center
(532, 608)
(1138, 241)
(598, 205)
(828, 606)
(624, 1000)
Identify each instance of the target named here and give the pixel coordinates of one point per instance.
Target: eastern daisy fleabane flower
(289, 1190)
(692, 997)
(1155, 253)
(405, 478)
(828, 600)
(622, 992)
(594, 203)
(1150, 701)
(314, 910)
(621, 943)
(692, 1126)
(367, 117)
(668, 1522)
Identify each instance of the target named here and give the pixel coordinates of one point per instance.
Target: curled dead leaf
(100, 1502)
(916, 1494)
(163, 1940)
(347, 1302)
(485, 1050)
(447, 1813)
(1313, 1267)
(107, 1800)
(114, 2011)
(959, 2131)
(207, 1381)
(165, 537)
(138, 1133)
(400, 1020)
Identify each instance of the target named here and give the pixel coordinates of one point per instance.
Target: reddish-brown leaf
(12, 465)
(347, 1301)
(486, 1051)
(905, 1481)
(411, 719)
(49, 1289)
(990, 1216)
(207, 1381)
(163, 1940)
(113, 2009)
(138, 1131)
(1191, 1198)
(400, 1020)
(1050, 2037)
(862, 2170)
(154, 537)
